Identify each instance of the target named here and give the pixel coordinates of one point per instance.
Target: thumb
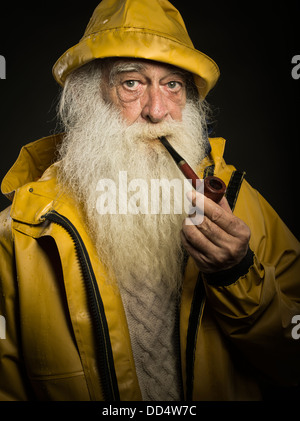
(224, 204)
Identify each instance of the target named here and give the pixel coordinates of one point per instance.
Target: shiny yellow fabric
(244, 329)
(150, 29)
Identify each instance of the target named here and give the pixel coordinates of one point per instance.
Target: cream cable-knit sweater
(151, 320)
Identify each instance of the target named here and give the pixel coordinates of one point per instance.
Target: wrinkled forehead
(115, 66)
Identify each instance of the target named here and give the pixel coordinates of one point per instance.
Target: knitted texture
(150, 313)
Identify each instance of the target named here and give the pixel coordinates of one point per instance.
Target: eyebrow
(123, 68)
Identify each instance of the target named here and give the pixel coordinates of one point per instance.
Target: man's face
(145, 91)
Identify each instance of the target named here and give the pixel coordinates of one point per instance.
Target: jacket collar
(33, 160)
(215, 156)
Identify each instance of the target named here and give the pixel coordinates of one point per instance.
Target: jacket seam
(44, 377)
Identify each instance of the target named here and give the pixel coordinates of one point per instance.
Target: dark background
(255, 102)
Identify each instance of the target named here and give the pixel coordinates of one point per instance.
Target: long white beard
(134, 247)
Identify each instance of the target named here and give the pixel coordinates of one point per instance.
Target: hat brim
(138, 43)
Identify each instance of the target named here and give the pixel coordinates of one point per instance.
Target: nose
(154, 108)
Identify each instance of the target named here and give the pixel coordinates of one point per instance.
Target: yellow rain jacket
(66, 335)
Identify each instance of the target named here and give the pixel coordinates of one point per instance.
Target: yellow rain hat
(148, 29)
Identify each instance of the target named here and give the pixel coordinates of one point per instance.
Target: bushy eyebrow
(122, 68)
(182, 74)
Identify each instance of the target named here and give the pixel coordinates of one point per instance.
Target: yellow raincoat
(66, 334)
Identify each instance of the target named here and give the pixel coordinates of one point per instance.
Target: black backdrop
(255, 102)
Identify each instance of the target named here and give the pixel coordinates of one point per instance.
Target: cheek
(175, 111)
(131, 111)
(175, 106)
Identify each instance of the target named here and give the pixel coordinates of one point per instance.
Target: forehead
(117, 66)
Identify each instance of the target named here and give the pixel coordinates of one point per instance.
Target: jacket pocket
(61, 387)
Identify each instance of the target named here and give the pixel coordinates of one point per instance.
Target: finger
(207, 230)
(224, 204)
(214, 233)
(205, 257)
(194, 253)
(220, 215)
(196, 198)
(200, 240)
(199, 200)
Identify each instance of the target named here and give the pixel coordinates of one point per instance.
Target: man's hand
(220, 241)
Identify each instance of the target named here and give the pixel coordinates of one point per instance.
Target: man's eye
(131, 84)
(174, 85)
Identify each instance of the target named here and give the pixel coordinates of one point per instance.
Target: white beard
(98, 145)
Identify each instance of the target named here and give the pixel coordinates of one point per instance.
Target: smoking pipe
(214, 187)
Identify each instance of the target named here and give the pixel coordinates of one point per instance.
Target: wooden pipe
(214, 187)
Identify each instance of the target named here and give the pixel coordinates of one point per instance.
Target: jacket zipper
(196, 313)
(103, 346)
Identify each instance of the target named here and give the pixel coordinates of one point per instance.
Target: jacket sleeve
(257, 309)
(12, 378)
